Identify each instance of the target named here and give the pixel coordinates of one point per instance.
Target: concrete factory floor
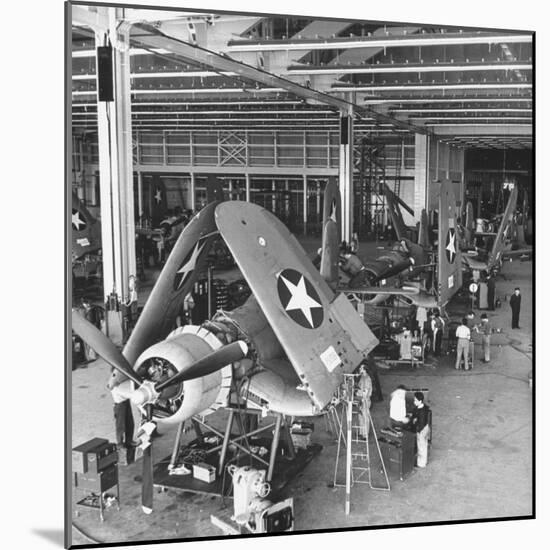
(481, 463)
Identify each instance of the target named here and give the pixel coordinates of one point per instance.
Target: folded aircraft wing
(321, 333)
(182, 268)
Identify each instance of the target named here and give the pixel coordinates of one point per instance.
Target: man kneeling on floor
(421, 425)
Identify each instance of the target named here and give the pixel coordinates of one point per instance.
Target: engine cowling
(181, 349)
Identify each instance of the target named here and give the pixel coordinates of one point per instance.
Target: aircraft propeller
(147, 392)
(103, 346)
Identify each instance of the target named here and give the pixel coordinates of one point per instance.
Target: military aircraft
(86, 230)
(408, 260)
(490, 260)
(419, 252)
(86, 244)
(285, 350)
(469, 231)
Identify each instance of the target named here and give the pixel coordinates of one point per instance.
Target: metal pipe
(175, 452)
(274, 447)
(225, 444)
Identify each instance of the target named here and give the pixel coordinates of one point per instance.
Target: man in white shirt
(463, 344)
(398, 407)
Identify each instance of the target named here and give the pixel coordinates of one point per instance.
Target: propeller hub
(145, 394)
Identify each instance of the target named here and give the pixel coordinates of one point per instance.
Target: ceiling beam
(389, 41)
(410, 68)
(480, 119)
(153, 38)
(465, 99)
(489, 130)
(429, 110)
(80, 54)
(93, 19)
(436, 86)
(192, 103)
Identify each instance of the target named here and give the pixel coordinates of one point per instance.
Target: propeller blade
(210, 363)
(147, 474)
(103, 346)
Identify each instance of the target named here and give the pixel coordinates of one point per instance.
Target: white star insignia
(300, 299)
(333, 211)
(451, 246)
(158, 196)
(77, 221)
(190, 264)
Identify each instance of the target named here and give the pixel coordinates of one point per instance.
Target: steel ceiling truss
(390, 41)
(150, 37)
(480, 78)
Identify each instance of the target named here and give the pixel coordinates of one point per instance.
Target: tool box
(94, 456)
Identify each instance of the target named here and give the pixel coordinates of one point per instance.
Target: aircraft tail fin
(395, 213)
(86, 231)
(214, 189)
(331, 234)
(469, 225)
(503, 232)
(449, 268)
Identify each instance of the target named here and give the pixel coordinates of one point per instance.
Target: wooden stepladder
(356, 434)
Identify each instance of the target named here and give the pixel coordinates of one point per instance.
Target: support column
(304, 206)
(116, 181)
(192, 196)
(345, 174)
(140, 194)
(247, 187)
(421, 173)
(318, 200)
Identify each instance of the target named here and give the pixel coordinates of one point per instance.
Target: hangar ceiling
(470, 87)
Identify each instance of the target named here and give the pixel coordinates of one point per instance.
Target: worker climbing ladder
(356, 431)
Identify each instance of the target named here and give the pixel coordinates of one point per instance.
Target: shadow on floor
(53, 535)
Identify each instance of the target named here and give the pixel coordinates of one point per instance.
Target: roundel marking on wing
(77, 221)
(299, 299)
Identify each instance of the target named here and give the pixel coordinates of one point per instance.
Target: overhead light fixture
(181, 74)
(234, 113)
(133, 51)
(480, 118)
(450, 123)
(233, 120)
(196, 103)
(193, 91)
(471, 110)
